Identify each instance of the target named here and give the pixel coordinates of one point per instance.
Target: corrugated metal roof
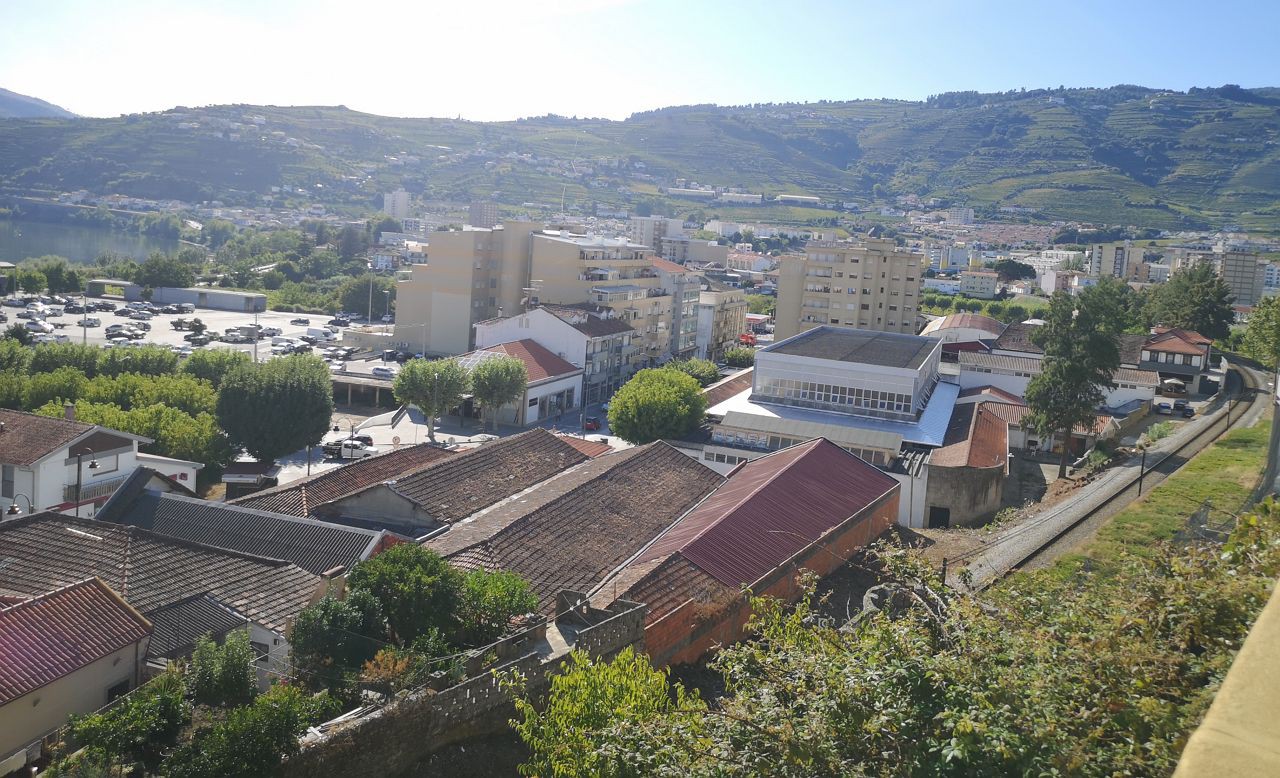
(178, 626)
(48, 637)
(771, 508)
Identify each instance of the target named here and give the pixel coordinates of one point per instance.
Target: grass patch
(1224, 473)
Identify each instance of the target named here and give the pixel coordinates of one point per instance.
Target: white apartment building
(1112, 259)
(396, 204)
(870, 284)
(982, 284)
(650, 230)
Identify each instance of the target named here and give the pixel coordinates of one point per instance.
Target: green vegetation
(1261, 339)
(942, 304)
(1224, 475)
(222, 675)
(704, 371)
(740, 356)
(276, 407)
(1194, 299)
(1090, 675)
(762, 303)
(1119, 155)
(435, 386)
(656, 403)
(496, 382)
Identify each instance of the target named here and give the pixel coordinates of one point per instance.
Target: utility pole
(256, 335)
(1142, 470)
(368, 319)
(84, 322)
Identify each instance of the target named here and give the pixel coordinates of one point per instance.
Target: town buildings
(651, 230)
(554, 385)
(396, 204)
(1112, 259)
(1244, 273)
(982, 284)
(722, 319)
(870, 284)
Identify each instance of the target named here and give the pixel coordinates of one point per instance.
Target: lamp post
(93, 465)
(386, 310)
(84, 321)
(14, 510)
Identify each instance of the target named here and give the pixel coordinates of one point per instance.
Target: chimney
(69, 411)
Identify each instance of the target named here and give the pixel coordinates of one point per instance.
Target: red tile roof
(53, 635)
(771, 508)
(1172, 343)
(28, 437)
(991, 391)
(976, 437)
(591, 448)
(541, 363)
(1190, 336)
(668, 265)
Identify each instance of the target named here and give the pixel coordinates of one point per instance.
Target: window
(533, 402)
(6, 481)
(260, 650)
(117, 691)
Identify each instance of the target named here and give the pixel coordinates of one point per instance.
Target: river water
(20, 239)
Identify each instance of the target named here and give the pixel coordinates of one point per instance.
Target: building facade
(1244, 273)
(722, 318)
(396, 204)
(483, 215)
(979, 283)
(870, 285)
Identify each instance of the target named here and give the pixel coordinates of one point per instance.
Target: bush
(740, 357)
(490, 601)
(656, 403)
(223, 675)
(137, 732)
(417, 590)
(703, 371)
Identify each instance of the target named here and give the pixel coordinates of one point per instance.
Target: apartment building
(722, 317)
(870, 284)
(483, 215)
(474, 275)
(1112, 259)
(396, 204)
(650, 230)
(982, 284)
(1244, 273)
(682, 250)
(684, 286)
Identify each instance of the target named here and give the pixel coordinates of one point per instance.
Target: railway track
(1242, 397)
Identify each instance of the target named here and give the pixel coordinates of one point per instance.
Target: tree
(740, 356)
(213, 364)
(489, 601)
(19, 334)
(352, 242)
(277, 407)
(223, 675)
(164, 270)
(137, 732)
(198, 326)
(13, 390)
(656, 404)
(762, 303)
(586, 703)
(1012, 270)
(1195, 299)
(1080, 357)
(353, 295)
(66, 384)
(147, 360)
(1262, 335)
(1114, 305)
(384, 224)
(417, 590)
(60, 275)
(31, 280)
(497, 381)
(47, 357)
(435, 386)
(704, 371)
(14, 356)
(333, 638)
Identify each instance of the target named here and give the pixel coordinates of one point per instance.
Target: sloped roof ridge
(132, 532)
(274, 515)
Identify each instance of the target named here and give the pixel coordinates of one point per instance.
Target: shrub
(223, 675)
(740, 356)
(138, 731)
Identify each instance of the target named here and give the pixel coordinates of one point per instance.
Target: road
(1040, 539)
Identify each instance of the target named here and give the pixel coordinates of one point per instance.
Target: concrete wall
(688, 632)
(911, 511)
(35, 714)
(968, 492)
(202, 297)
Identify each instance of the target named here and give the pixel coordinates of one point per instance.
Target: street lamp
(14, 510)
(84, 321)
(93, 465)
(386, 310)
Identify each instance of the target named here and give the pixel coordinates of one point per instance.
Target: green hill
(16, 106)
(1122, 155)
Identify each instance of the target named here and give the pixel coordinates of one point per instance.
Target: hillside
(1127, 155)
(16, 106)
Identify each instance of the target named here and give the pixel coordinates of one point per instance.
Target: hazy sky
(500, 59)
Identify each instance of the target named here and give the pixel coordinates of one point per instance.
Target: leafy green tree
(1015, 312)
(1080, 357)
(417, 590)
(216, 232)
(47, 357)
(740, 356)
(60, 275)
(656, 404)
(211, 364)
(497, 381)
(704, 371)
(1012, 270)
(1262, 335)
(162, 270)
(137, 733)
(333, 638)
(489, 601)
(385, 224)
(352, 242)
(595, 701)
(66, 384)
(353, 295)
(435, 386)
(277, 407)
(1114, 305)
(134, 390)
(147, 360)
(762, 303)
(223, 675)
(1194, 298)
(254, 739)
(31, 280)
(14, 356)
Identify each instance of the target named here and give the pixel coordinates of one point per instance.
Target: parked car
(74, 308)
(339, 321)
(1179, 404)
(1164, 409)
(91, 321)
(186, 308)
(349, 449)
(170, 309)
(124, 312)
(270, 332)
(234, 337)
(592, 424)
(197, 338)
(28, 314)
(1188, 412)
(141, 315)
(118, 341)
(383, 372)
(35, 325)
(52, 312)
(114, 329)
(337, 366)
(388, 318)
(301, 321)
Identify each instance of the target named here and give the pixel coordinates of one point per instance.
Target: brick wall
(689, 631)
(391, 739)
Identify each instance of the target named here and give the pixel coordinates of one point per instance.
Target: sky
(503, 59)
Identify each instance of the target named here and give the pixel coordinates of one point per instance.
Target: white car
(383, 372)
(37, 326)
(349, 449)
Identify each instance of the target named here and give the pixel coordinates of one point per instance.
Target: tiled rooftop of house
(28, 437)
(299, 498)
(58, 632)
(458, 486)
(47, 550)
(177, 627)
(885, 349)
(592, 448)
(976, 437)
(541, 363)
(1017, 337)
(315, 546)
(574, 530)
(973, 321)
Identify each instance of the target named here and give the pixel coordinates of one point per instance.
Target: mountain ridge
(19, 106)
(1118, 155)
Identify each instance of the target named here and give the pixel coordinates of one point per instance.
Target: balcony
(92, 491)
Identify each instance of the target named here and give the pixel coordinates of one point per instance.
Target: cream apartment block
(722, 317)
(1243, 273)
(473, 275)
(870, 284)
(979, 283)
(1112, 259)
